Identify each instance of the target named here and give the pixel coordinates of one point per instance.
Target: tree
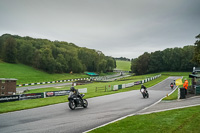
(142, 63)
(156, 62)
(110, 63)
(187, 54)
(134, 65)
(9, 50)
(25, 53)
(196, 57)
(102, 65)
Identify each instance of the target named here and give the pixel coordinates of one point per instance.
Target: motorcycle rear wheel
(147, 95)
(85, 103)
(72, 105)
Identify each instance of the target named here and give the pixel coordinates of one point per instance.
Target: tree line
(53, 56)
(123, 59)
(170, 59)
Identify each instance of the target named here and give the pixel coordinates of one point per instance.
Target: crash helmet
(72, 88)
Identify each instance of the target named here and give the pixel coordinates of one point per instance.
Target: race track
(60, 119)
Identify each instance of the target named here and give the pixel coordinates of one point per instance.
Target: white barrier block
(74, 84)
(123, 86)
(129, 85)
(84, 90)
(115, 87)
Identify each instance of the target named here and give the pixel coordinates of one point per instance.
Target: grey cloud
(125, 28)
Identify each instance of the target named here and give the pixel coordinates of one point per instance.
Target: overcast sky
(118, 28)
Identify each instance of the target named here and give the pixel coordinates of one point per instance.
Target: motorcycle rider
(172, 85)
(76, 93)
(143, 87)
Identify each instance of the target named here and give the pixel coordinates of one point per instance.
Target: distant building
(195, 81)
(7, 86)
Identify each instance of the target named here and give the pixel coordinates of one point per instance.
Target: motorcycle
(172, 86)
(144, 93)
(77, 101)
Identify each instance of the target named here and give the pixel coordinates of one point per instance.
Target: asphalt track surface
(60, 119)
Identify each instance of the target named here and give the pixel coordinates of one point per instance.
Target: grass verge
(173, 96)
(173, 121)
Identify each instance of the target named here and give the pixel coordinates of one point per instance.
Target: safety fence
(58, 81)
(38, 95)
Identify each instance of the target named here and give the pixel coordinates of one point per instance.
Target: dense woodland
(53, 56)
(64, 57)
(170, 59)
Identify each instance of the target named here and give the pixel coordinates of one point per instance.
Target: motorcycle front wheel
(143, 95)
(72, 105)
(85, 103)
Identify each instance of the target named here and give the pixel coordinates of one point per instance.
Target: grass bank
(26, 74)
(175, 121)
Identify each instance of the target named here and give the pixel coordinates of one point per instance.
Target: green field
(123, 65)
(175, 121)
(26, 74)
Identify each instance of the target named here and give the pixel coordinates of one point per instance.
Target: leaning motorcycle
(144, 93)
(77, 101)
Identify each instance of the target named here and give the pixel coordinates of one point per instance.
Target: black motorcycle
(77, 101)
(144, 93)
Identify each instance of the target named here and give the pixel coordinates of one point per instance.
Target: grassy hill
(26, 74)
(123, 65)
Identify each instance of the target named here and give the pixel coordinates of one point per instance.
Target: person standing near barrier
(185, 85)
